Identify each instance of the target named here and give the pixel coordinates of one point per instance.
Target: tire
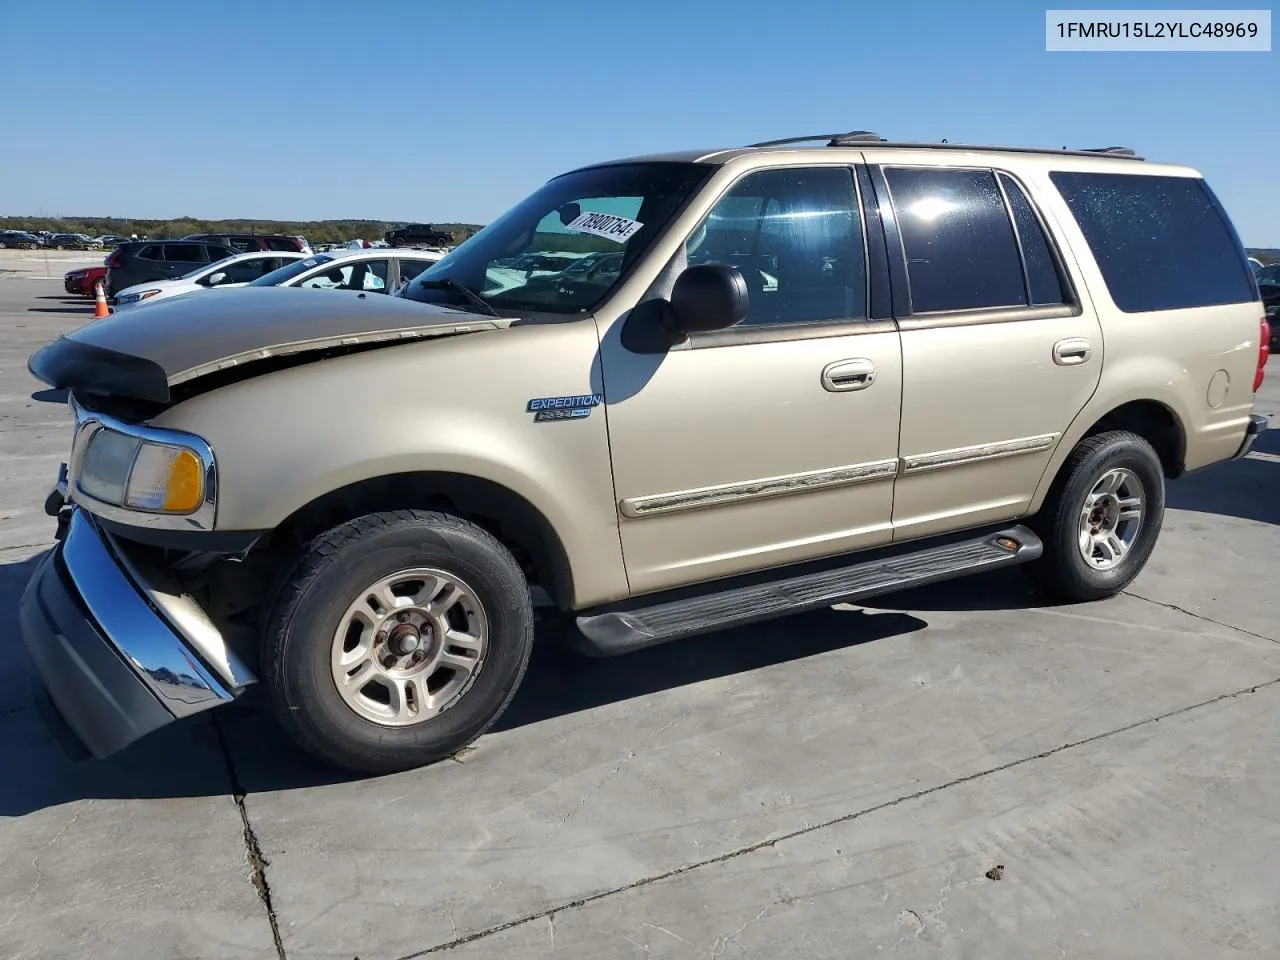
(1062, 570)
(331, 586)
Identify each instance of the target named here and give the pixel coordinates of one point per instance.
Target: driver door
(776, 440)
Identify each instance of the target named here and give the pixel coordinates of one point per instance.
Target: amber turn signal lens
(185, 488)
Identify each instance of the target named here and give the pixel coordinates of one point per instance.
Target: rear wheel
(397, 639)
(1102, 518)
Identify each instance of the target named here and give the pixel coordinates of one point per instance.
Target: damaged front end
(121, 648)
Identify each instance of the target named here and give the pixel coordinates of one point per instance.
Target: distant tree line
(317, 231)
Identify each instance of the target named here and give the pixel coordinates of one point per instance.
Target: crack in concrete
(722, 944)
(252, 850)
(835, 821)
(1200, 616)
(35, 863)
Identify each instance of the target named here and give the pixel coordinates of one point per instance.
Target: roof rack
(833, 139)
(863, 137)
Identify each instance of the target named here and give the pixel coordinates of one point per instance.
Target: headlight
(147, 475)
(135, 297)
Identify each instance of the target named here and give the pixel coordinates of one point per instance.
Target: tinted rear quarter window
(183, 253)
(1044, 286)
(959, 242)
(1160, 242)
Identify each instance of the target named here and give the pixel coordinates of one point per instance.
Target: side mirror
(707, 297)
(569, 212)
(216, 279)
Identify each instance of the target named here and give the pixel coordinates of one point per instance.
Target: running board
(617, 632)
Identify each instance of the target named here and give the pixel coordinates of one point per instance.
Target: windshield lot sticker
(547, 409)
(618, 229)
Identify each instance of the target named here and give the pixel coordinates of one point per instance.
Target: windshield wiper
(455, 286)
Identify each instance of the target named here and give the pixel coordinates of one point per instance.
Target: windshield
(1269, 274)
(289, 271)
(563, 248)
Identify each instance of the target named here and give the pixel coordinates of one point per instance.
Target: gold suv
(658, 397)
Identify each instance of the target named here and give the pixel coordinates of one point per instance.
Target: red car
(81, 281)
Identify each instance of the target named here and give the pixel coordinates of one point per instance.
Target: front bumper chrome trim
(115, 660)
(178, 679)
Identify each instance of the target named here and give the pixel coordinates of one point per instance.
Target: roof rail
(833, 139)
(862, 137)
(1113, 151)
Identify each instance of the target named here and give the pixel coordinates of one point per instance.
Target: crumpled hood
(142, 353)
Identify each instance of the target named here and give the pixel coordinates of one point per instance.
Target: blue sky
(437, 111)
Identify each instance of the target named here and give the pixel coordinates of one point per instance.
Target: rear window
(1161, 242)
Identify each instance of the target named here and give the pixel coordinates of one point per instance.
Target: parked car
(1268, 279)
(418, 234)
(19, 240)
(80, 282)
(247, 242)
(367, 269)
(141, 260)
(112, 240)
(1255, 264)
(72, 241)
(235, 271)
(968, 359)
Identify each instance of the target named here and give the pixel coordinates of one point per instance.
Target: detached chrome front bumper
(121, 652)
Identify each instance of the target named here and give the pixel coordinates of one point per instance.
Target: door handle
(846, 375)
(1072, 351)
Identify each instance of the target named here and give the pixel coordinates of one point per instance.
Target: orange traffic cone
(100, 308)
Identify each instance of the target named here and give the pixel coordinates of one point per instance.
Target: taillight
(115, 261)
(1264, 351)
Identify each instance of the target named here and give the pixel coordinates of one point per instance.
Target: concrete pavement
(837, 784)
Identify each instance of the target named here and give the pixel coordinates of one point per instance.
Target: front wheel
(396, 640)
(1102, 518)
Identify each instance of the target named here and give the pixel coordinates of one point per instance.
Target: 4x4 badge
(545, 409)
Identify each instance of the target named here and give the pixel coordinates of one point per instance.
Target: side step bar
(612, 633)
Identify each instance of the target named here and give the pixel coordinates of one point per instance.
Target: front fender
(455, 405)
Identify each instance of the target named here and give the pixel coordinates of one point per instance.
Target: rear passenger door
(999, 353)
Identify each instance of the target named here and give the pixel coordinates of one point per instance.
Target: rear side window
(1044, 286)
(184, 253)
(151, 252)
(281, 243)
(961, 250)
(242, 244)
(1160, 242)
